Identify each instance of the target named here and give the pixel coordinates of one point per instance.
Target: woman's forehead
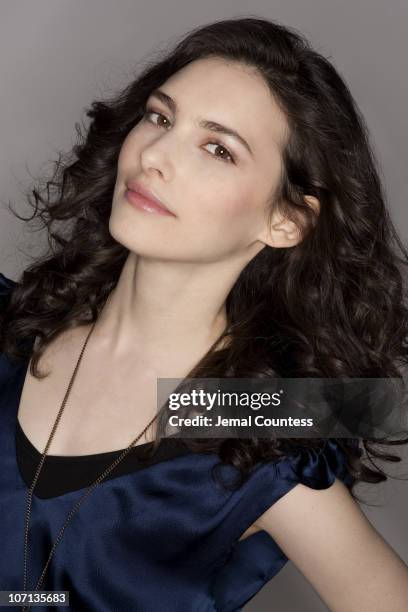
(229, 93)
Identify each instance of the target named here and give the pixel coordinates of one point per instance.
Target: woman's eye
(229, 157)
(148, 112)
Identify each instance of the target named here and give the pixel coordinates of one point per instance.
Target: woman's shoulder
(317, 468)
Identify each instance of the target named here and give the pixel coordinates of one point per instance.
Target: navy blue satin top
(163, 537)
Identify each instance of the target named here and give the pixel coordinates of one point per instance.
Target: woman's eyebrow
(204, 123)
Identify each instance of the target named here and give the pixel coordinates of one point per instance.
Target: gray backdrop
(58, 55)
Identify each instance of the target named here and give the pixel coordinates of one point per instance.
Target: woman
(265, 250)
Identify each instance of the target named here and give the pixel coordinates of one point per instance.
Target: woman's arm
(330, 540)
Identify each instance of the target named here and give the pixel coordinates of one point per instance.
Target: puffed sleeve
(253, 561)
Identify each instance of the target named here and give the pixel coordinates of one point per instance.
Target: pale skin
(169, 307)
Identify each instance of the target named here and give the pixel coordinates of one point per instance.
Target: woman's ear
(284, 232)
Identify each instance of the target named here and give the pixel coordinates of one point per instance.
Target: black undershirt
(61, 474)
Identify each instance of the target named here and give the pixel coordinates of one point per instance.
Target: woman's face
(217, 187)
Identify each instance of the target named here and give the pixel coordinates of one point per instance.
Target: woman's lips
(137, 200)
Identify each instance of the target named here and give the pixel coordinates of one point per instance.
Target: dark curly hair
(332, 306)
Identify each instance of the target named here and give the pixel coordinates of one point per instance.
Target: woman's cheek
(231, 203)
(237, 207)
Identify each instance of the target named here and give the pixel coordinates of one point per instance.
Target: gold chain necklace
(88, 491)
